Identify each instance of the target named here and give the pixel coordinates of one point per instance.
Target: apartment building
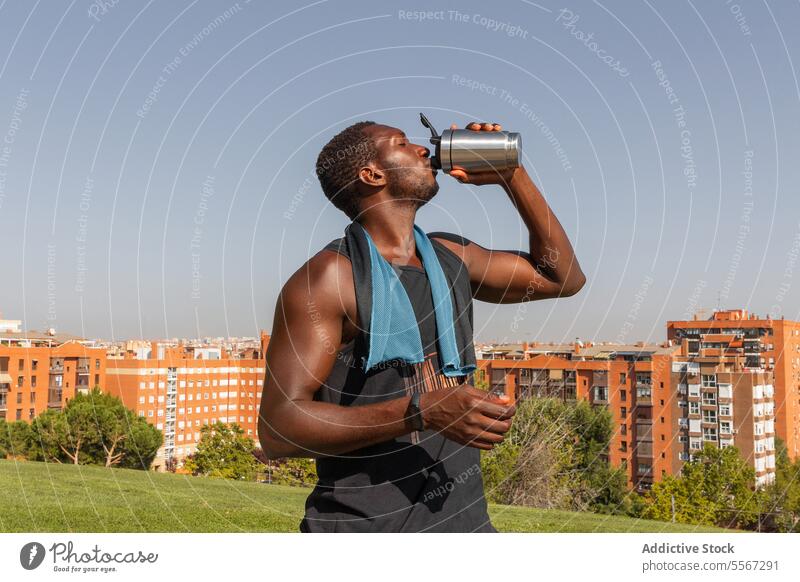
(632, 381)
(666, 400)
(727, 404)
(44, 370)
(180, 388)
(772, 345)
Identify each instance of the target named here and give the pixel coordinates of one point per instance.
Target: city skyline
(156, 167)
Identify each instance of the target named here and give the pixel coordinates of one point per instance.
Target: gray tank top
(416, 483)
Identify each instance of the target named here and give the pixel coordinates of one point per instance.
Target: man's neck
(392, 231)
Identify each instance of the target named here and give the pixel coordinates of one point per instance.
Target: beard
(411, 185)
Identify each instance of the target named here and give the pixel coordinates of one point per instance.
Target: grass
(49, 497)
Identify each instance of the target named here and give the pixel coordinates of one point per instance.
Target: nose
(423, 151)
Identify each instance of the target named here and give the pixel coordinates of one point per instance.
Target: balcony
(600, 394)
(57, 368)
(644, 449)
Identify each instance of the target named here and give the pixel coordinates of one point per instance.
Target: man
(397, 446)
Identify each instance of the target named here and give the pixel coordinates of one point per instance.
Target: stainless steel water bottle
(475, 151)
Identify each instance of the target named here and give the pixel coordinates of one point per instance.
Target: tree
(223, 451)
(782, 505)
(46, 437)
(15, 438)
(77, 430)
(140, 445)
(716, 488)
(554, 457)
(96, 429)
(293, 471)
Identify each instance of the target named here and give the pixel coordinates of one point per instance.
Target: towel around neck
(393, 330)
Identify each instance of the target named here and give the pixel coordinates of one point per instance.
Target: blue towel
(393, 331)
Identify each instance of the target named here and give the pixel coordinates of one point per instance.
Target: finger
(474, 125)
(488, 438)
(498, 127)
(453, 126)
(490, 425)
(459, 175)
(488, 126)
(496, 410)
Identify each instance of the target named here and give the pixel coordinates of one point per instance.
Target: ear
(372, 175)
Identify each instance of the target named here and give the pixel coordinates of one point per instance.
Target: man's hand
(502, 177)
(467, 415)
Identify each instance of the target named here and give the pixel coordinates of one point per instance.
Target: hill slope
(48, 497)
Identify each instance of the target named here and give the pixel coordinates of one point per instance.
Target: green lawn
(48, 497)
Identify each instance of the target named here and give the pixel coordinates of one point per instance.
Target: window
(623, 429)
(150, 413)
(623, 446)
(709, 398)
(33, 397)
(21, 364)
(622, 377)
(19, 414)
(724, 409)
(97, 364)
(623, 395)
(19, 397)
(709, 380)
(623, 412)
(725, 427)
(694, 408)
(709, 433)
(34, 364)
(20, 381)
(709, 416)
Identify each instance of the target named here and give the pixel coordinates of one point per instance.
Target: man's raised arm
(547, 269)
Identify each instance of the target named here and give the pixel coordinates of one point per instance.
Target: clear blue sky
(150, 153)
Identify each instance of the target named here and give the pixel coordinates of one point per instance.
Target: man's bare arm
(309, 317)
(547, 269)
(302, 351)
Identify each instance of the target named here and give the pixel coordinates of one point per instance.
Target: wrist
(413, 417)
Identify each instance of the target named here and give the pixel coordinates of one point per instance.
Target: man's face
(409, 174)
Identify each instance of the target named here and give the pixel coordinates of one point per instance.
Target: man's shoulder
(325, 272)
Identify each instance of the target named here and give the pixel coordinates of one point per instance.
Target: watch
(414, 413)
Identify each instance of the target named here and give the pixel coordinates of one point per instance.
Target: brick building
(178, 389)
(763, 343)
(44, 370)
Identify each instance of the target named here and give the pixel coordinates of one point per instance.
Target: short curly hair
(338, 164)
